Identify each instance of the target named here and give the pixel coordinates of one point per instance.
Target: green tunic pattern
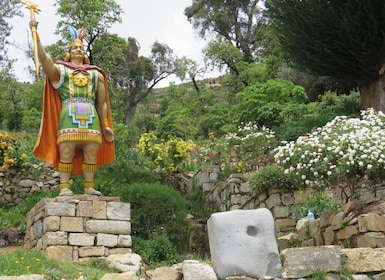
(79, 120)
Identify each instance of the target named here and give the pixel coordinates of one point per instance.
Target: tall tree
(234, 20)
(136, 75)
(241, 36)
(341, 39)
(8, 9)
(95, 16)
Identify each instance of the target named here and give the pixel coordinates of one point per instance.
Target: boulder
(242, 242)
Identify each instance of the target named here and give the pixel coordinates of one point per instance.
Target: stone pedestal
(79, 227)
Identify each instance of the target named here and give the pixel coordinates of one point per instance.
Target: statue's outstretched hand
(108, 134)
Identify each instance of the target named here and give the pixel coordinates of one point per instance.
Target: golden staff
(33, 9)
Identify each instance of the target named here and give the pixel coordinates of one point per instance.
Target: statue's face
(77, 50)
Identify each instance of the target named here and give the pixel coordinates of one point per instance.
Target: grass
(15, 216)
(23, 262)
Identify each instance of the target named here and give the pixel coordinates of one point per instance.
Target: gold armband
(104, 123)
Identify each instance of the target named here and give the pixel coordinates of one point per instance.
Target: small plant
(318, 202)
(318, 274)
(158, 250)
(269, 177)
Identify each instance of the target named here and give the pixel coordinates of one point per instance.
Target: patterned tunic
(79, 120)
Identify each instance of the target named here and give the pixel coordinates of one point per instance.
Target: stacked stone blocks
(79, 227)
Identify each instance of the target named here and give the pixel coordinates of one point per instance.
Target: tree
(8, 9)
(234, 20)
(341, 39)
(95, 16)
(136, 75)
(241, 34)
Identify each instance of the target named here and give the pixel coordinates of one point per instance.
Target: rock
(302, 262)
(193, 270)
(121, 276)
(127, 262)
(365, 259)
(242, 242)
(166, 273)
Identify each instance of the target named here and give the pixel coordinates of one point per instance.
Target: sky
(145, 20)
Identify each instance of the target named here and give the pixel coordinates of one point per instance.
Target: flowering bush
(342, 153)
(172, 154)
(10, 151)
(246, 145)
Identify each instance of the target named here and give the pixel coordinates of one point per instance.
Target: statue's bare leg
(90, 152)
(67, 151)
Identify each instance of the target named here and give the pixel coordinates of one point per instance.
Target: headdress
(77, 36)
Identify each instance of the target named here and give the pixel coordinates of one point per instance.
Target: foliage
(24, 262)
(318, 202)
(158, 250)
(342, 153)
(157, 209)
(15, 216)
(341, 39)
(30, 121)
(95, 16)
(11, 152)
(171, 154)
(198, 206)
(8, 9)
(245, 146)
(264, 103)
(237, 22)
(270, 177)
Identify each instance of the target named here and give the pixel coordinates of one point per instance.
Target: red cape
(46, 148)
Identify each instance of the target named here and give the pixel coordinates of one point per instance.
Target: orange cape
(46, 148)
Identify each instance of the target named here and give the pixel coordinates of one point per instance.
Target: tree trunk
(373, 94)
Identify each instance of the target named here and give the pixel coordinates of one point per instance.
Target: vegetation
(23, 262)
(326, 37)
(288, 127)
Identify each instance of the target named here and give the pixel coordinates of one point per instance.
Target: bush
(11, 152)
(272, 176)
(156, 209)
(343, 153)
(158, 250)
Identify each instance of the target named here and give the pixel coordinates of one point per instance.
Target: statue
(76, 133)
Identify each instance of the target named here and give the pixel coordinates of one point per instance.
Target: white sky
(145, 20)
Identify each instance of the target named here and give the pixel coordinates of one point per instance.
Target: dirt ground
(8, 250)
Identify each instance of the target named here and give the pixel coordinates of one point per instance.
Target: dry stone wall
(79, 227)
(358, 224)
(16, 184)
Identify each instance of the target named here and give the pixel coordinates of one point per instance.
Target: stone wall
(16, 184)
(359, 224)
(79, 227)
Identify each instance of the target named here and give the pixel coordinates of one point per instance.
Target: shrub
(269, 177)
(158, 250)
(343, 153)
(11, 153)
(156, 209)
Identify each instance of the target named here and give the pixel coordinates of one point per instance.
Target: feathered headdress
(77, 36)
(77, 33)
